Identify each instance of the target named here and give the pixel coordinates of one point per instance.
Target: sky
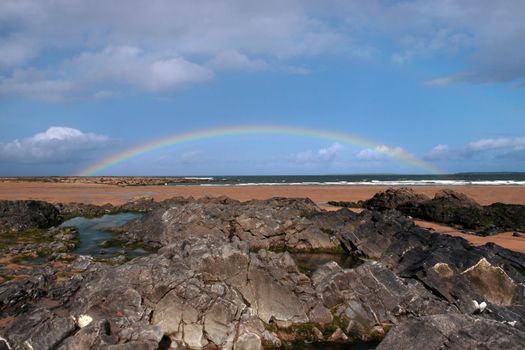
(438, 81)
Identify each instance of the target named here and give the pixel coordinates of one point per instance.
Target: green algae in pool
(94, 231)
(309, 262)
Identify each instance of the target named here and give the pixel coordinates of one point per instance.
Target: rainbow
(229, 131)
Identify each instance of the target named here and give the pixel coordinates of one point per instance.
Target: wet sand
(101, 194)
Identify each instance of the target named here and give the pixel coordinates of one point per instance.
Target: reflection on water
(308, 262)
(335, 346)
(95, 238)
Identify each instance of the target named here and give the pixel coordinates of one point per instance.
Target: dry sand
(101, 194)
(505, 239)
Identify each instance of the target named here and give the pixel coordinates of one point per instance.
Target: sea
(460, 179)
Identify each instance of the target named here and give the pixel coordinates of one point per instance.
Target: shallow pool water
(309, 262)
(335, 346)
(93, 232)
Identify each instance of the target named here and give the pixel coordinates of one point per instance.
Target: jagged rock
(338, 336)
(393, 198)
(39, 329)
(453, 331)
(212, 286)
(452, 208)
(83, 209)
(371, 294)
(492, 282)
(248, 341)
(275, 223)
(27, 214)
(15, 293)
(320, 314)
(439, 261)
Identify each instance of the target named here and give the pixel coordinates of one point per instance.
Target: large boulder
(449, 266)
(371, 295)
(275, 223)
(449, 207)
(393, 198)
(452, 208)
(26, 215)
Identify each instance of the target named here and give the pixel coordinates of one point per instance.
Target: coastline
(102, 194)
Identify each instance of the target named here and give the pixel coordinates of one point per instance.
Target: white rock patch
(84, 320)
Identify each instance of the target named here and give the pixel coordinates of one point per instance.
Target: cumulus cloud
(378, 153)
(175, 42)
(36, 84)
(233, 60)
(323, 155)
(55, 145)
(113, 66)
(497, 143)
(502, 147)
(131, 65)
(151, 48)
(15, 51)
(439, 152)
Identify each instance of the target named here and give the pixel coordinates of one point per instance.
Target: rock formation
(451, 208)
(225, 277)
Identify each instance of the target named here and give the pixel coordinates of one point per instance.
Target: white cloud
(57, 144)
(323, 155)
(162, 46)
(120, 66)
(131, 65)
(35, 84)
(15, 51)
(502, 147)
(496, 143)
(439, 152)
(233, 60)
(379, 152)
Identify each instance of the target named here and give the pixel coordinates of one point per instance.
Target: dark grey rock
(453, 331)
(26, 215)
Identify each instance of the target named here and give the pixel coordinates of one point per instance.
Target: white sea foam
(381, 183)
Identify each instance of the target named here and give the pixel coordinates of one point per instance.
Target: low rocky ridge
(138, 204)
(448, 207)
(108, 180)
(223, 279)
(279, 223)
(19, 216)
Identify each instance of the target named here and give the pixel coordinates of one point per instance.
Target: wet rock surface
(226, 277)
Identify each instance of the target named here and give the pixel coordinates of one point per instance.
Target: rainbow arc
(232, 131)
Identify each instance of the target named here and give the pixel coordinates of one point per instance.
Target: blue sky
(80, 80)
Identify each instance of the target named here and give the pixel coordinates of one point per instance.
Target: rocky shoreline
(224, 274)
(108, 180)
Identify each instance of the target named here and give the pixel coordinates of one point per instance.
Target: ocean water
(463, 179)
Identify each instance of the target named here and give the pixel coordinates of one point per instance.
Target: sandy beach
(101, 194)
